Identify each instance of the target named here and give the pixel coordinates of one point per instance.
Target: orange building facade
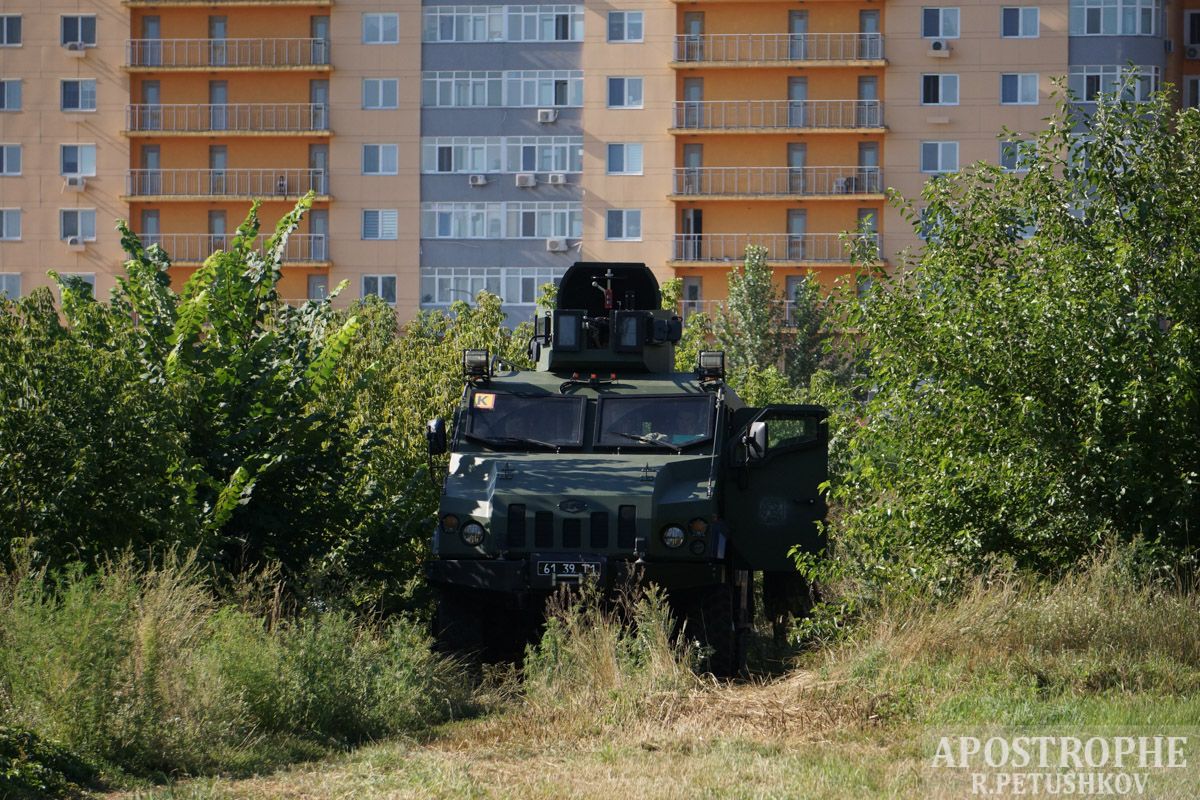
(457, 147)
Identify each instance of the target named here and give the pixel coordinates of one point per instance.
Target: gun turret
(608, 318)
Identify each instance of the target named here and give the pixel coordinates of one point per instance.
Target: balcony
(799, 248)
(244, 119)
(226, 54)
(230, 184)
(782, 116)
(782, 183)
(309, 249)
(783, 49)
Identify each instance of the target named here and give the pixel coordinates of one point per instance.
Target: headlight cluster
(674, 536)
(472, 532)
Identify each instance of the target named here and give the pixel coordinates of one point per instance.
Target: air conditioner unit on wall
(1193, 51)
(547, 115)
(526, 180)
(557, 245)
(477, 180)
(77, 49)
(557, 179)
(75, 183)
(939, 48)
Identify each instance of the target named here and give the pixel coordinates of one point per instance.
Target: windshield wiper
(650, 439)
(514, 440)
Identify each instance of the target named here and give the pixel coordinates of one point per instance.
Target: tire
(458, 627)
(710, 620)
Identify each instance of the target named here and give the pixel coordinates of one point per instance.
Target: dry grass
(607, 712)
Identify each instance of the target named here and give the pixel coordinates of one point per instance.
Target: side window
(794, 432)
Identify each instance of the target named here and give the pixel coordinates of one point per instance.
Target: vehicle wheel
(458, 625)
(786, 596)
(710, 620)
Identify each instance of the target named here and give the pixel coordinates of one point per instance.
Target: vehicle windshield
(673, 422)
(506, 419)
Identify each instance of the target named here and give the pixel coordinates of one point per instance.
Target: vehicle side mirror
(756, 441)
(435, 435)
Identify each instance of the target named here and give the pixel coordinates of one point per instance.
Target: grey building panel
(498, 122)
(501, 188)
(501, 55)
(493, 253)
(1146, 51)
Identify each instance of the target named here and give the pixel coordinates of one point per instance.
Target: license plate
(568, 569)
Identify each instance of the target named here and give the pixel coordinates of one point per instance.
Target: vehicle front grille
(626, 527)
(516, 525)
(543, 529)
(599, 529)
(571, 529)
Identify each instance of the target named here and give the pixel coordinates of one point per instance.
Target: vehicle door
(772, 501)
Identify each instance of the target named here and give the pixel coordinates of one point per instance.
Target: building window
(545, 23)
(513, 285)
(10, 159)
(380, 159)
(1191, 91)
(78, 159)
(939, 90)
(1019, 89)
(379, 224)
(1014, 154)
(939, 23)
(77, 223)
(380, 93)
(624, 225)
(381, 28)
(381, 286)
(10, 30)
(79, 95)
(79, 30)
(513, 88)
(624, 159)
(624, 92)
(10, 95)
(1019, 23)
(10, 285)
(88, 278)
(1191, 28)
(625, 26)
(10, 224)
(939, 157)
(516, 220)
(493, 154)
(1114, 17)
(1089, 82)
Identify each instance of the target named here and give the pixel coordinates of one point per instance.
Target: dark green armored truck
(605, 464)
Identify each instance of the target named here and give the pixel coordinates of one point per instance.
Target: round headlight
(697, 547)
(450, 523)
(698, 526)
(472, 533)
(672, 536)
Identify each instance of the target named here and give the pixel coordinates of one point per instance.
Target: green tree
(1034, 372)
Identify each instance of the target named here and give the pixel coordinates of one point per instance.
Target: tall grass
(141, 669)
(608, 663)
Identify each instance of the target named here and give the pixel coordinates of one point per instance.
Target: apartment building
(454, 147)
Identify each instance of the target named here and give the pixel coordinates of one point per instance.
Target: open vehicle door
(777, 462)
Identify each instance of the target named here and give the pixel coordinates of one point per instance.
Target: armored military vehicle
(605, 464)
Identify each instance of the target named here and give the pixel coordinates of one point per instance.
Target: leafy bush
(141, 668)
(31, 768)
(1033, 375)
